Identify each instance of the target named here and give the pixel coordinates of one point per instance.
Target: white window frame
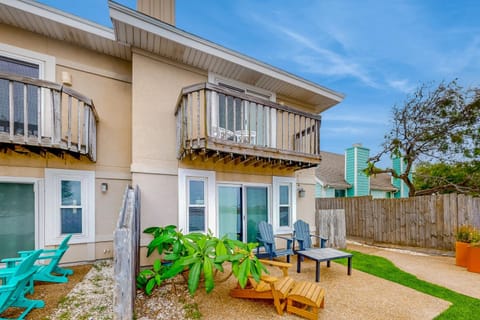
(292, 183)
(184, 176)
(53, 178)
(46, 71)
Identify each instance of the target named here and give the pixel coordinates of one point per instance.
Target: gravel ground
(359, 296)
(91, 299)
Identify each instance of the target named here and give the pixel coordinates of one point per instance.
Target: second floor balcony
(221, 124)
(41, 116)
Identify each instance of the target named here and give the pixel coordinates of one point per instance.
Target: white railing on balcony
(38, 113)
(211, 117)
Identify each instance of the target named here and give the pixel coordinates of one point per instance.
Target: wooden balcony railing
(42, 115)
(223, 124)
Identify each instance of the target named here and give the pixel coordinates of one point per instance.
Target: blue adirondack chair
(303, 236)
(267, 239)
(12, 291)
(50, 272)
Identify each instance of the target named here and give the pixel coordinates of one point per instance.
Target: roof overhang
(134, 29)
(147, 33)
(56, 24)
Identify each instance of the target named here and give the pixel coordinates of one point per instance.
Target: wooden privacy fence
(426, 221)
(126, 255)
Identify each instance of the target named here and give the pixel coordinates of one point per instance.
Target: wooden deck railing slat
(217, 119)
(49, 130)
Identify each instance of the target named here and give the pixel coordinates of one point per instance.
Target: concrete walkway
(436, 269)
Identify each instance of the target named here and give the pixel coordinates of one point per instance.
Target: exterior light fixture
(301, 192)
(104, 187)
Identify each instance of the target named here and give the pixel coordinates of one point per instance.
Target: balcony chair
(302, 298)
(15, 285)
(267, 240)
(302, 235)
(50, 272)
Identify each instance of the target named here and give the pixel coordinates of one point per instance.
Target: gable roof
(135, 29)
(382, 181)
(331, 173)
(331, 170)
(153, 35)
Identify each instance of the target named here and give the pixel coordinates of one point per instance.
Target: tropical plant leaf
(208, 274)
(243, 273)
(157, 265)
(150, 286)
(151, 230)
(194, 277)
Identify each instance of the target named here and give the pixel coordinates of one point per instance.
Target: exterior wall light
(104, 187)
(301, 192)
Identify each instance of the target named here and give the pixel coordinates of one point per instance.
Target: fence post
(126, 259)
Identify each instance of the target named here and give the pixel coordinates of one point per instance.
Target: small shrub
(468, 234)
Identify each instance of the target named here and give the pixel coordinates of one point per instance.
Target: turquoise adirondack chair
(12, 291)
(267, 239)
(303, 236)
(50, 272)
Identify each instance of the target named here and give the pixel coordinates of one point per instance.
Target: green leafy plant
(201, 255)
(468, 234)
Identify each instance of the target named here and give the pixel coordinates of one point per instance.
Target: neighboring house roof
(382, 181)
(135, 29)
(331, 173)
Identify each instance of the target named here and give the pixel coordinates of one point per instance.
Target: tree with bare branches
(437, 125)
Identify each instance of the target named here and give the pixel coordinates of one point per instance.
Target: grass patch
(463, 307)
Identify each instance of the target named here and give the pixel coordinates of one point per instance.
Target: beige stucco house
(214, 139)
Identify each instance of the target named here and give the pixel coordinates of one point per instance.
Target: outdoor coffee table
(323, 254)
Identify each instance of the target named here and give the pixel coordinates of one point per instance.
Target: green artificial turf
(463, 307)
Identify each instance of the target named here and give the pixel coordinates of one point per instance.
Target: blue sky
(375, 52)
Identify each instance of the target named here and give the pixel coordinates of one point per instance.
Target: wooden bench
(306, 299)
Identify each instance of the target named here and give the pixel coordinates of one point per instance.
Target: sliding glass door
(17, 218)
(257, 210)
(230, 211)
(240, 208)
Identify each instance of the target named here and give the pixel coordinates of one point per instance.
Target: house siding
(106, 80)
(399, 166)
(378, 194)
(356, 159)
(324, 192)
(350, 170)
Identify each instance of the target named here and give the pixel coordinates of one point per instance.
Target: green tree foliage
(435, 124)
(462, 177)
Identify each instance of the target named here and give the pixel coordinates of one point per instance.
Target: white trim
(45, 62)
(137, 20)
(216, 79)
(183, 175)
(277, 181)
(46, 71)
(60, 17)
(39, 212)
(53, 178)
(355, 171)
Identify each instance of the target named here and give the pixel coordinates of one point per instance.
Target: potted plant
(473, 253)
(464, 237)
(202, 255)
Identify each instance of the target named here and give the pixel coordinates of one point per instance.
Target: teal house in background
(342, 176)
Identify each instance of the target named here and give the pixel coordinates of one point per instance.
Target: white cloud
(323, 62)
(402, 85)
